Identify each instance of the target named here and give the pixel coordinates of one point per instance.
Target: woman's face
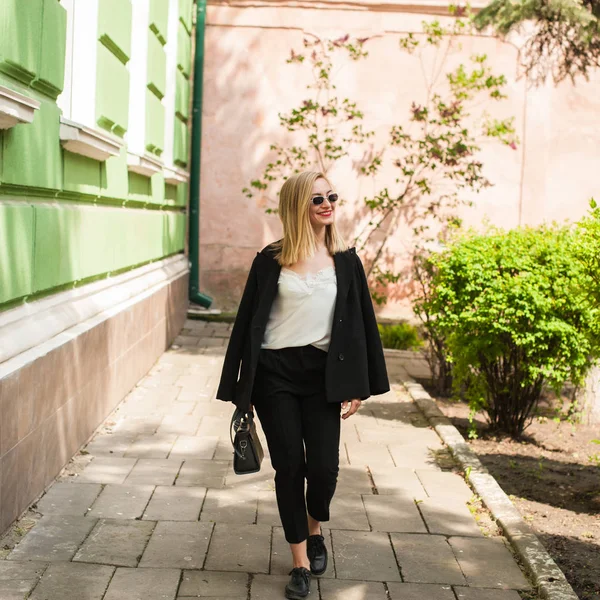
(324, 213)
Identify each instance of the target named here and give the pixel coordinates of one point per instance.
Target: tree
(435, 156)
(565, 41)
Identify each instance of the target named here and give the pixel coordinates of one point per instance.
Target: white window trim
(65, 99)
(171, 83)
(138, 76)
(84, 60)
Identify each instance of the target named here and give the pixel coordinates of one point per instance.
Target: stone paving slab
(152, 446)
(9, 571)
(143, 584)
(194, 447)
(116, 542)
(213, 584)
(159, 379)
(54, 538)
(179, 425)
(348, 512)
(488, 563)
(121, 501)
(196, 381)
(170, 503)
(158, 394)
(280, 554)
(154, 471)
(224, 451)
(17, 579)
(348, 433)
(154, 390)
(204, 473)
(393, 513)
(239, 548)
(398, 481)
(263, 481)
(400, 434)
(186, 340)
(353, 480)
(413, 457)
(464, 593)
(444, 484)
(336, 589)
(364, 555)
(113, 444)
(271, 587)
(420, 591)
(68, 499)
(443, 515)
(178, 545)
(229, 506)
(75, 581)
(268, 513)
(201, 397)
(215, 426)
(137, 424)
(204, 408)
(426, 559)
(366, 454)
(141, 412)
(106, 470)
(212, 343)
(182, 409)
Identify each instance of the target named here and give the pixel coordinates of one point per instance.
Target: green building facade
(94, 173)
(65, 216)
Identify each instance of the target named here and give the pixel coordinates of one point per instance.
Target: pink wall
(247, 83)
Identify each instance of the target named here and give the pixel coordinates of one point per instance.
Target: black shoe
(299, 585)
(317, 554)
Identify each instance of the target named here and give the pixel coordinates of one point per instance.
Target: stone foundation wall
(51, 405)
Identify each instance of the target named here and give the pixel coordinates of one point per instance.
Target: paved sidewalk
(151, 509)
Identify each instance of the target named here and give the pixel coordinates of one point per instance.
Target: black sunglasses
(320, 199)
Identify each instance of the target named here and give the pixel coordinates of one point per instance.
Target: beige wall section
(51, 406)
(247, 83)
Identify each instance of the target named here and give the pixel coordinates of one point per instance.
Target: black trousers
(302, 431)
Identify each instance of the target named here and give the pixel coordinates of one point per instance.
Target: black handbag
(248, 452)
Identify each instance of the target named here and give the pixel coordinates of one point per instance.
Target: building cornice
(83, 140)
(15, 108)
(436, 7)
(175, 175)
(146, 165)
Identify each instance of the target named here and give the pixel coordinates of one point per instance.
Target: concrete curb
(544, 572)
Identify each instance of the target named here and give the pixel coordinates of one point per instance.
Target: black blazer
(355, 366)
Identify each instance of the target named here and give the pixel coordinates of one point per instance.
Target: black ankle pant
(289, 399)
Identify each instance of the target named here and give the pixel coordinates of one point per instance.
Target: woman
(307, 340)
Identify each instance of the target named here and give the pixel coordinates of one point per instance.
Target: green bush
(402, 336)
(516, 316)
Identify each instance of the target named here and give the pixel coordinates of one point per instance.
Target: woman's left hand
(354, 406)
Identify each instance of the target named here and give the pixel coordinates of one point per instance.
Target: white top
(302, 311)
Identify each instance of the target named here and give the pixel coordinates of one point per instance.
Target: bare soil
(552, 475)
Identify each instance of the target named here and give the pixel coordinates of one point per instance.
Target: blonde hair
(299, 240)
